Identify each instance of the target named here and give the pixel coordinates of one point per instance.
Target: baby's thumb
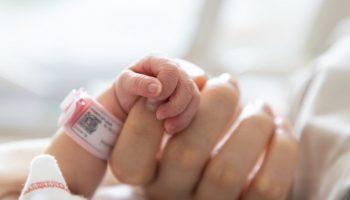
(140, 84)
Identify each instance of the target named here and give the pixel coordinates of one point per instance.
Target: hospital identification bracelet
(89, 124)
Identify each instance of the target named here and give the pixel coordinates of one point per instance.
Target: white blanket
(323, 126)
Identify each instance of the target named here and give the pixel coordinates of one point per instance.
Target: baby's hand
(164, 83)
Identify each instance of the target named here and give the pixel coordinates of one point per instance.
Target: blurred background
(48, 47)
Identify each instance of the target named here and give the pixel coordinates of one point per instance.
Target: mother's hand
(187, 168)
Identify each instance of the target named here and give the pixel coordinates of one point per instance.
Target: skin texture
(268, 183)
(229, 170)
(145, 137)
(190, 165)
(166, 85)
(249, 163)
(75, 161)
(172, 89)
(187, 153)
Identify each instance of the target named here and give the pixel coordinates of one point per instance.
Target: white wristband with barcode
(89, 124)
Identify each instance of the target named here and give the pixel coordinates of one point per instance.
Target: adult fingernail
(152, 104)
(224, 79)
(264, 106)
(154, 88)
(278, 121)
(283, 123)
(228, 78)
(255, 107)
(248, 110)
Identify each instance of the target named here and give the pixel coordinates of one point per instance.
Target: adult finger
(226, 174)
(137, 165)
(274, 179)
(133, 159)
(187, 152)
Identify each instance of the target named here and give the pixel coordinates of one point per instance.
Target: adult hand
(191, 166)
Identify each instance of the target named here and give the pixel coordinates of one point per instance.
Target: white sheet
(323, 126)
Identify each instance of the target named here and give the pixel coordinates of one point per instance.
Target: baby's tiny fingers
(180, 122)
(139, 84)
(166, 71)
(179, 101)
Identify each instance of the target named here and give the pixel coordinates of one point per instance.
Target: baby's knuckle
(171, 70)
(176, 105)
(139, 82)
(152, 58)
(190, 86)
(122, 77)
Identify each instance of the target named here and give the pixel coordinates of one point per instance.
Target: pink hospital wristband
(89, 124)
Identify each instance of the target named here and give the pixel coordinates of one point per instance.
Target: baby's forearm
(82, 170)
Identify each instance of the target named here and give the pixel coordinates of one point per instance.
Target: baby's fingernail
(154, 88)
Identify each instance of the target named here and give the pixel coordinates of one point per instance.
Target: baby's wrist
(108, 99)
(93, 124)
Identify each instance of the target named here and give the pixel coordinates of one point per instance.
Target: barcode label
(97, 129)
(89, 122)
